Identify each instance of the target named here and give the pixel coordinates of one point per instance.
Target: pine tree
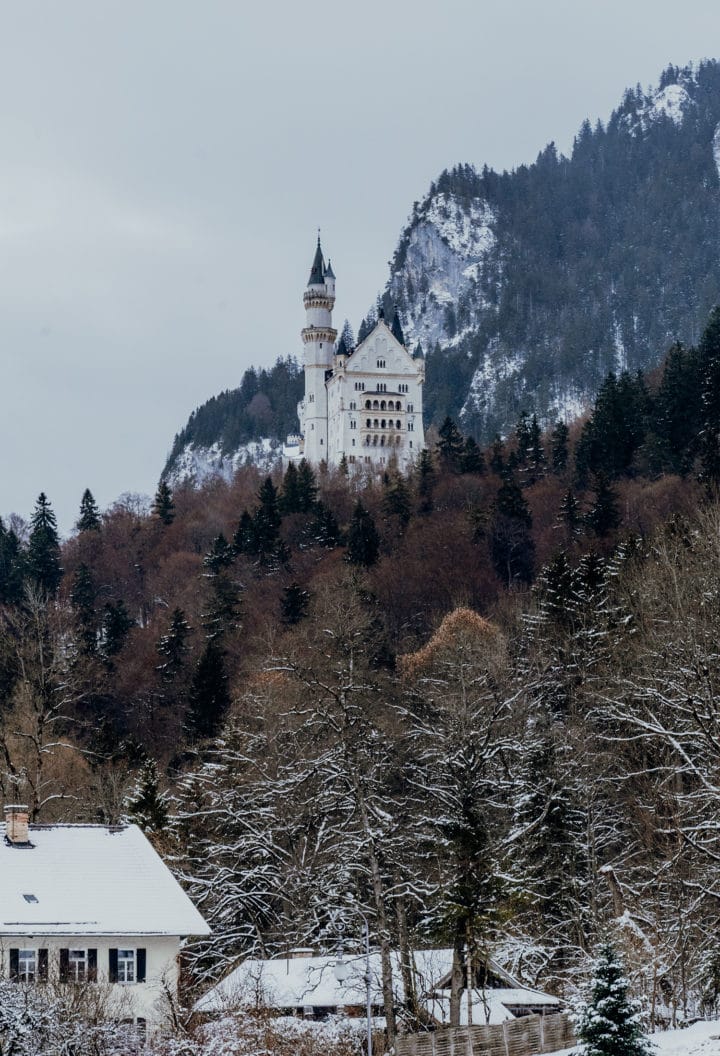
(83, 596)
(570, 515)
(307, 487)
(497, 463)
(89, 519)
(425, 482)
(472, 460)
(244, 541)
(363, 538)
(324, 529)
(12, 566)
(219, 556)
(397, 501)
(173, 648)
(610, 1024)
(209, 697)
(523, 437)
(147, 805)
(266, 520)
(604, 516)
(43, 552)
(290, 498)
(451, 446)
(116, 626)
(163, 506)
(511, 544)
(293, 604)
(559, 448)
(709, 356)
(536, 460)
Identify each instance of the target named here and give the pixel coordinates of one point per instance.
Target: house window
(359, 386)
(353, 443)
(352, 405)
(411, 443)
(410, 407)
(410, 427)
(381, 362)
(27, 965)
(353, 425)
(402, 388)
(311, 398)
(77, 966)
(126, 966)
(382, 388)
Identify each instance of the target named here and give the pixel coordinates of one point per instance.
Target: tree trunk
(457, 979)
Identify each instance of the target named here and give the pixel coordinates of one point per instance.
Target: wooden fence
(525, 1036)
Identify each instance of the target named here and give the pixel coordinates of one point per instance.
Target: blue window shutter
(92, 966)
(64, 966)
(43, 965)
(141, 963)
(14, 963)
(113, 965)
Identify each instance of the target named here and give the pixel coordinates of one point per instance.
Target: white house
(301, 984)
(362, 404)
(95, 905)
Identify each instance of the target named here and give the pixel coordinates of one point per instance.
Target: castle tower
(318, 346)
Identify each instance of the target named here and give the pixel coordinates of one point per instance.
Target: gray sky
(164, 165)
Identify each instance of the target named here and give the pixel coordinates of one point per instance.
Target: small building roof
(329, 273)
(396, 328)
(91, 880)
(294, 982)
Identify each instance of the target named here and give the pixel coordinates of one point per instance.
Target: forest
(479, 701)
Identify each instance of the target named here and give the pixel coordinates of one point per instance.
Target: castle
(364, 404)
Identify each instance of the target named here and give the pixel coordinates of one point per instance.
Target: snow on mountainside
(195, 464)
(525, 288)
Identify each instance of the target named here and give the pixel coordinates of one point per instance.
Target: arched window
(375, 441)
(376, 424)
(382, 441)
(382, 424)
(397, 424)
(367, 423)
(398, 406)
(375, 405)
(367, 405)
(382, 405)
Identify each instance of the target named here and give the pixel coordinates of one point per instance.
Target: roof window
(30, 898)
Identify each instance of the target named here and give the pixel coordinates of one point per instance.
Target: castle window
(359, 386)
(402, 388)
(311, 398)
(374, 441)
(367, 441)
(351, 458)
(382, 424)
(410, 427)
(376, 423)
(353, 442)
(411, 443)
(398, 425)
(381, 362)
(397, 440)
(321, 441)
(382, 441)
(375, 405)
(398, 406)
(382, 388)
(410, 407)
(353, 425)
(382, 405)
(352, 405)
(367, 405)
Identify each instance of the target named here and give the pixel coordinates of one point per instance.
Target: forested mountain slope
(525, 288)
(479, 700)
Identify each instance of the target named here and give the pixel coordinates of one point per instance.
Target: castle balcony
(318, 299)
(318, 333)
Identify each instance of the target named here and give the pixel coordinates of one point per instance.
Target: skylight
(30, 898)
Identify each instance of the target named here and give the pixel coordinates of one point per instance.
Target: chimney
(16, 825)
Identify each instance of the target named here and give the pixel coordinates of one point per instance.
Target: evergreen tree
(425, 482)
(604, 516)
(497, 463)
(116, 626)
(43, 553)
(363, 538)
(472, 460)
(451, 446)
(307, 487)
(536, 460)
(324, 529)
(244, 541)
(397, 501)
(559, 447)
(293, 604)
(163, 506)
(89, 519)
(173, 648)
(290, 500)
(523, 437)
(570, 514)
(266, 521)
(610, 1024)
(147, 805)
(511, 544)
(219, 556)
(83, 595)
(12, 566)
(709, 357)
(343, 465)
(209, 697)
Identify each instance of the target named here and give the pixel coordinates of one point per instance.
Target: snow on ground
(198, 464)
(701, 1039)
(671, 101)
(468, 231)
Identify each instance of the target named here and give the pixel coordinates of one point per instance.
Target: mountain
(525, 288)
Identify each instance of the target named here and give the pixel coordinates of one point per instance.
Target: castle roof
(396, 328)
(317, 271)
(329, 273)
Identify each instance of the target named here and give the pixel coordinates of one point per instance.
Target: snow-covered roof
(91, 880)
(489, 1006)
(295, 982)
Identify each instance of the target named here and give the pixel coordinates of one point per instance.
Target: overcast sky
(164, 165)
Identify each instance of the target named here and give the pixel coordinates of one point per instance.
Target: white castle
(363, 404)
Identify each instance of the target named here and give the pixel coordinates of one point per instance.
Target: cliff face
(526, 288)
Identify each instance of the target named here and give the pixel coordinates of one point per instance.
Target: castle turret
(319, 343)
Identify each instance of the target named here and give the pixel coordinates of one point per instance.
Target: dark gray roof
(329, 273)
(317, 271)
(397, 328)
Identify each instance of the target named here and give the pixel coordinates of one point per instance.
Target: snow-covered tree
(610, 1024)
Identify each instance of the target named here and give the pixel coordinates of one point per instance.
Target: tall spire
(317, 271)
